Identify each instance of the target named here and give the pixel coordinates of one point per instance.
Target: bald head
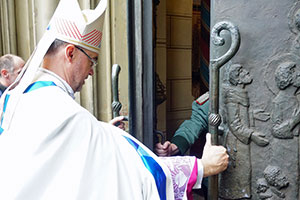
(10, 66)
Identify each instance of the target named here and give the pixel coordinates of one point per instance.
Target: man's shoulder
(203, 99)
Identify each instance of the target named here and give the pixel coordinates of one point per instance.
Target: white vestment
(55, 149)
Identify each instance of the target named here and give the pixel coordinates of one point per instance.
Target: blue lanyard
(153, 167)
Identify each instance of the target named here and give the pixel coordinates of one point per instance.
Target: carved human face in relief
(262, 185)
(244, 76)
(281, 181)
(275, 177)
(238, 75)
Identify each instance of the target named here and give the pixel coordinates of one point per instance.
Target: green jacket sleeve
(190, 130)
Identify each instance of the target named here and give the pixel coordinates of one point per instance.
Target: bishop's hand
(214, 159)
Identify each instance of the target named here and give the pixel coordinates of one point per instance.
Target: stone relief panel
(235, 182)
(281, 142)
(260, 114)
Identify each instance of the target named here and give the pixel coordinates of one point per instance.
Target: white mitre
(83, 28)
(68, 23)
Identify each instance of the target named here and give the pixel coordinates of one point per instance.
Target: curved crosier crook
(215, 65)
(214, 119)
(219, 41)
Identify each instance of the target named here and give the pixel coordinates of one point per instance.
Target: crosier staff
(215, 65)
(116, 105)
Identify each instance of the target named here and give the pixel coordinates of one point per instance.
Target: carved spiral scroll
(219, 41)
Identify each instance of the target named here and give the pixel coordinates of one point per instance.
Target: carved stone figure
(275, 177)
(236, 180)
(286, 110)
(282, 80)
(274, 180)
(263, 189)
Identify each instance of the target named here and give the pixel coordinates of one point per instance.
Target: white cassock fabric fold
(55, 149)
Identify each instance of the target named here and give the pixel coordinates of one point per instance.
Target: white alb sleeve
(200, 174)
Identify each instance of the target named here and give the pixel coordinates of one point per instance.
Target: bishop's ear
(69, 52)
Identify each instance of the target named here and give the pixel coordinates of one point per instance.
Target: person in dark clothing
(189, 131)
